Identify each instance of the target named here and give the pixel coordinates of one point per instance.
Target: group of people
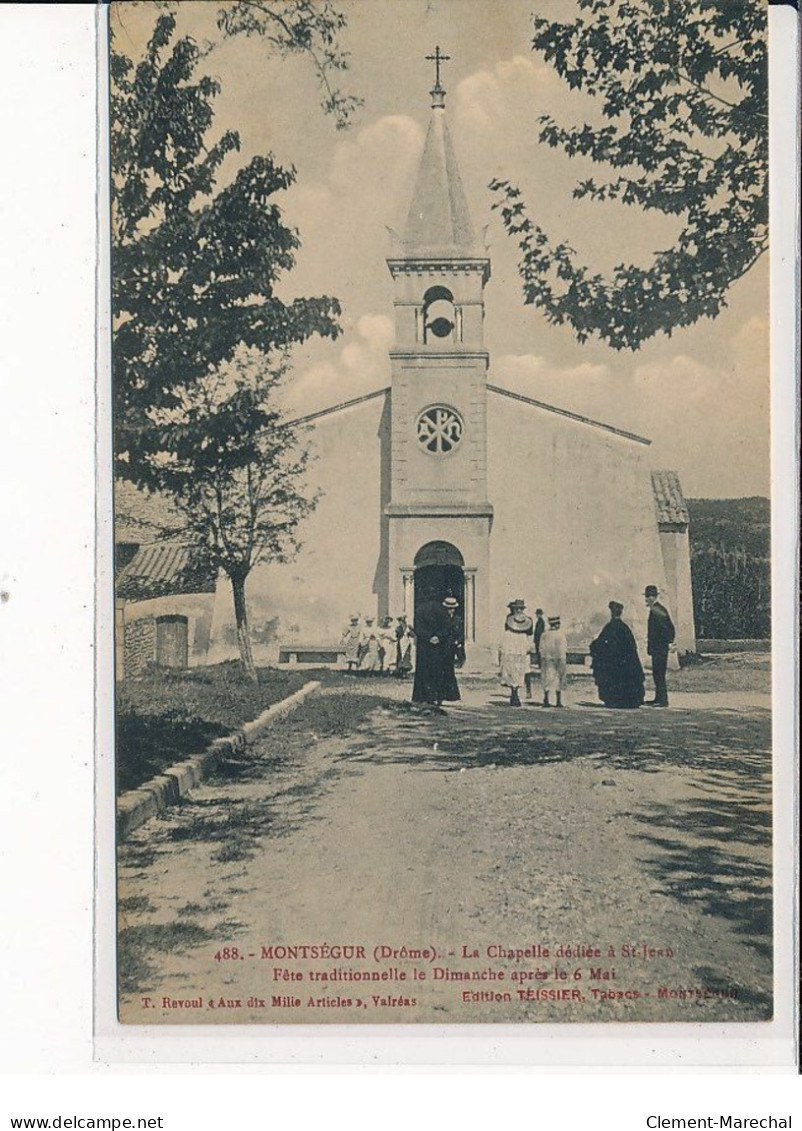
(527, 644)
(378, 648)
(525, 639)
(433, 648)
(617, 669)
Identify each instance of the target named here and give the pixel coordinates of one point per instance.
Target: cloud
(487, 100)
(342, 220)
(586, 388)
(346, 211)
(362, 366)
(496, 116)
(378, 156)
(708, 421)
(750, 343)
(702, 396)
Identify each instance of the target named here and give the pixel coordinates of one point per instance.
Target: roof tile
(668, 497)
(163, 569)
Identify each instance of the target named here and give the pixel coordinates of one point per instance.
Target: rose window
(439, 429)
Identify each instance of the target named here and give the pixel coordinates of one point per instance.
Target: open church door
(440, 573)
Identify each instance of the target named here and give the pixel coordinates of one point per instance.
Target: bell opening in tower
(439, 314)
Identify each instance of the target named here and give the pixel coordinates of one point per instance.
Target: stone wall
(139, 646)
(137, 621)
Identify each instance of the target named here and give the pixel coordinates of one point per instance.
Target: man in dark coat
(540, 628)
(435, 636)
(617, 669)
(659, 635)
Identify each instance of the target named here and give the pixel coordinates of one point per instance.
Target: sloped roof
(439, 222)
(162, 569)
(570, 415)
(668, 497)
(142, 516)
(342, 405)
(491, 389)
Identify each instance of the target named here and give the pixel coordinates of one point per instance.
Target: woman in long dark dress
(435, 638)
(617, 670)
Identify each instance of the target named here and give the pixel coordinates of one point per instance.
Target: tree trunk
(243, 631)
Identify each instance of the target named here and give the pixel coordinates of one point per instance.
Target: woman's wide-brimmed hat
(451, 603)
(518, 603)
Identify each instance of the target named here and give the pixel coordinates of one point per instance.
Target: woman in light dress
(386, 638)
(516, 645)
(350, 641)
(370, 659)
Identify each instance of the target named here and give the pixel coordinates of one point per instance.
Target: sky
(701, 395)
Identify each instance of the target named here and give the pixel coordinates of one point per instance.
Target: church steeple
(438, 514)
(439, 223)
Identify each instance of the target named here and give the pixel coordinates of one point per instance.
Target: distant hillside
(730, 566)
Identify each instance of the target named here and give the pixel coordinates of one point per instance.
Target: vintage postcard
(441, 402)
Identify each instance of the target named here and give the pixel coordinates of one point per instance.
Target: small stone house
(164, 588)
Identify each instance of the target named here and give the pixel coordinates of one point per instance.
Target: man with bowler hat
(659, 635)
(435, 637)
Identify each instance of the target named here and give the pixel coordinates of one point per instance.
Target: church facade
(447, 483)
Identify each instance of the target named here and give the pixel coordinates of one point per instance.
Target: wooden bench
(315, 655)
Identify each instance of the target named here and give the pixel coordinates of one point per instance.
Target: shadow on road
(712, 850)
(717, 746)
(704, 862)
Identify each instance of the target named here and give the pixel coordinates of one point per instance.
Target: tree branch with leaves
(300, 27)
(235, 468)
(682, 85)
(200, 336)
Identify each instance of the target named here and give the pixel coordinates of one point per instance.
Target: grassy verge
(169, 716)
(744, 671)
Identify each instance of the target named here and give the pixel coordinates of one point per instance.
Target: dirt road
(482, 865)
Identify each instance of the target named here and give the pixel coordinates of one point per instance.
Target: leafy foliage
(201, 337)
(293, 27)
(682, 85)
(233, 465)
(731, 567)
(195, 267)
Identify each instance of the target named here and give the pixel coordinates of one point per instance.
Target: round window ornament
(440, 429)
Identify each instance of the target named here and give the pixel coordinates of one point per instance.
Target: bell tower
(439, 516)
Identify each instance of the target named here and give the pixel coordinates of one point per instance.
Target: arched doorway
(440, 573)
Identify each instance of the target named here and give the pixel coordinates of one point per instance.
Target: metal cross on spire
(437, 92)
(437, 59)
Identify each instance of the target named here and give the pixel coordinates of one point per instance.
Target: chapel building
(447, 483)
